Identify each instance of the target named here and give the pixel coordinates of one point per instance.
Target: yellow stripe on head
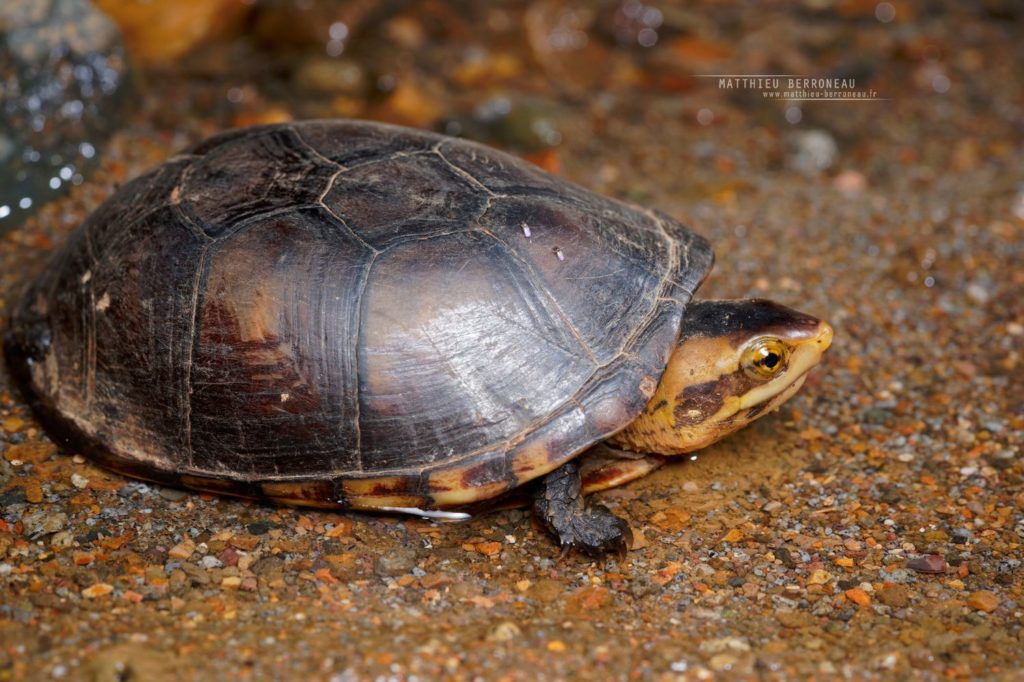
(735, 361)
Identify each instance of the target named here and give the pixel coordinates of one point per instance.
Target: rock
(172, 494)
(983, 600)
(44, 523)
(331, 76)
(33, 490)
(414, 103)
(12, 424)
(210, 562)
(819, 577)
(183, 550)
(812, 151)
(715, 646)
(723, 662)
(13, 497)
(70, 77)
(896, 596)
(98, 590)
(793, 619)
(62, 540)
(504, 632)
(858, 596)
(32, 452)
(929, 563)
(260, 527)
(734, 535)
(489, 548)
(131, 662)
(587, 600)
(962, 536)
(851, 183)
(672, 520)
(160, 32)
(396, 561)
(546, 590)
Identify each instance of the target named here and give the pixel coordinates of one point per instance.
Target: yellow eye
(765, 358)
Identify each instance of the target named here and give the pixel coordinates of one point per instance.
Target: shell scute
(247, 176)
(403, 198)
(264, 382)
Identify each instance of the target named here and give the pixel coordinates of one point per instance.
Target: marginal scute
(382, 491)
(484, 476)
(303, 493)
(149, 194)
(214, 484)
(551, 443)
(339, 313)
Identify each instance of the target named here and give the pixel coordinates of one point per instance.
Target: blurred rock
(524, 124)
(63, 81)
(160, 31)
(812, 151)
(413, 102)
(327, 25)
(482, 67)
(326, 75)
(131, 662)
(633, 23)
(561, 37)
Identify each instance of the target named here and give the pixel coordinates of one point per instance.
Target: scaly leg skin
(559, 503)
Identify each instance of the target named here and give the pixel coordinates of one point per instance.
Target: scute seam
(313, 150)
(200, 277)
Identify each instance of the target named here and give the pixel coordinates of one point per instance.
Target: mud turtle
(354, 315)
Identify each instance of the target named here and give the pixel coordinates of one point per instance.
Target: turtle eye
(765, 358)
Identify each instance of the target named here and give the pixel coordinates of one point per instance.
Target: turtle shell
(350, 314)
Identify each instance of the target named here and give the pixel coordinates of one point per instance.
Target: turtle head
(735, 361)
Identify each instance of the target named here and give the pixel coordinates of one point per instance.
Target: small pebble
(983, 600)
(858, 596)
(929, 563)
(182, 550)
(172, 494)
(896, 596)
(44, 523)
(397, 561)
(98, 590)
(505, 631)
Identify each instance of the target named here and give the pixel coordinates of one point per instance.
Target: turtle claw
(597, 532)
(593, 530)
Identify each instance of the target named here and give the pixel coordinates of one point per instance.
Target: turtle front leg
(558, 501)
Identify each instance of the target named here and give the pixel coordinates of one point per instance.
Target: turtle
(353, 315)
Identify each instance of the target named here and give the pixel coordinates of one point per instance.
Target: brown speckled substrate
(872, 529)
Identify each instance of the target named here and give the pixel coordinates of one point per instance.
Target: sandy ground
(871, 529)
